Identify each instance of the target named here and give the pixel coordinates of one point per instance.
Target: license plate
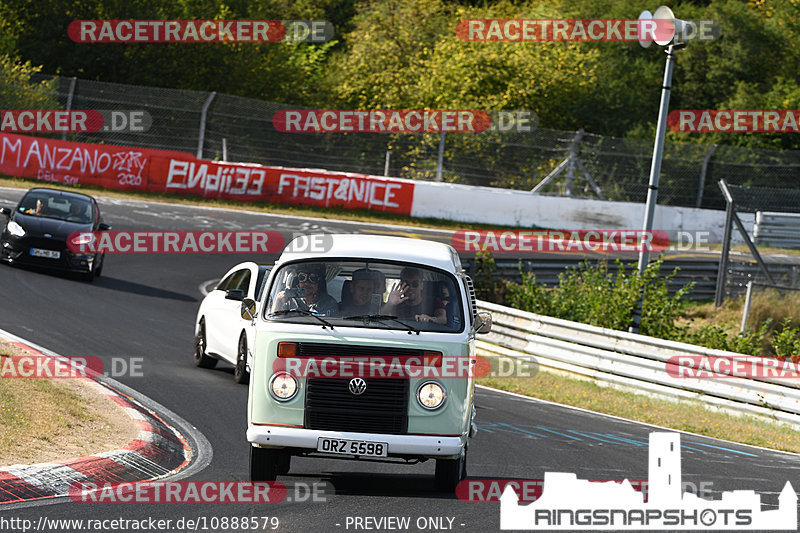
(353, 447)
(50, 254)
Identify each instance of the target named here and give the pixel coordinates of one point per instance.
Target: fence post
(440, 159)
(71, 93)
(203, 113)
(746, 311)
(722, 272)
(386, 163)
(572, 157)
(703, 172)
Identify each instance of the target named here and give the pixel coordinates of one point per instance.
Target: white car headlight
(15, 229)
(283, 387)
(431, 395)
(82, 239)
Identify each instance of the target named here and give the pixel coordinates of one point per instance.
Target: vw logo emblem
(357, 386)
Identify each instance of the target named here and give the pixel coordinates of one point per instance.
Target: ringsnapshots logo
(568, 503)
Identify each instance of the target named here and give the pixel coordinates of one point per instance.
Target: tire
(449, 472)
(266, 463)
(240, 373)
(284, 464)
(99, 269)
(202, 359)
(94, 272)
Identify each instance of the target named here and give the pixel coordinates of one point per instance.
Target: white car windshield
(360, 293)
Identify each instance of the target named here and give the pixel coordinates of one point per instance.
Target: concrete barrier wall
(143, 169)
(521, 208)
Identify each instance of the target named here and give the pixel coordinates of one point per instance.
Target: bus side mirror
(483, 324)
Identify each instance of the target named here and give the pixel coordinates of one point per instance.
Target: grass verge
(363, 215)
(43, 420)
(688, 416)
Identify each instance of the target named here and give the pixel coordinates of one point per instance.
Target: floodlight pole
(655, 171)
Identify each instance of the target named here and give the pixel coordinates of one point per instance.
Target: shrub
(594, 295)
(600, 297)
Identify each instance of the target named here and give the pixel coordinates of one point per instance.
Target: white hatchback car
(220, 332)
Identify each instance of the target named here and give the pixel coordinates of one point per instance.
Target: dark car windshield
(371, 294)
(52, 205)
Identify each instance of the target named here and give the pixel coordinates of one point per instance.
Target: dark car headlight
(15, 229)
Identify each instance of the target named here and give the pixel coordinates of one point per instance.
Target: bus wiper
(304, 312)
(367, 318)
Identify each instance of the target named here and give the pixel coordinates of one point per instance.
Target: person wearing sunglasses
(314, 288)
(407, 299)
(363, 294)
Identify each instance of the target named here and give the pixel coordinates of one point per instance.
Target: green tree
(18, 91)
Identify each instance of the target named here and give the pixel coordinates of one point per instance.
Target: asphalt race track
(144, 306)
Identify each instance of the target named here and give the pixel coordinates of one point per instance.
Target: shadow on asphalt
(371, 484)
(138, 288)
(108, 283)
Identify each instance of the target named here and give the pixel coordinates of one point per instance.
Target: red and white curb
(159, 450)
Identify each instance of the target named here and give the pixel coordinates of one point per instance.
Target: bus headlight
(282, 386)
(431, 395)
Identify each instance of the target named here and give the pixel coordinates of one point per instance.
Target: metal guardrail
(779, 230)
(633, 361)
(703, 272)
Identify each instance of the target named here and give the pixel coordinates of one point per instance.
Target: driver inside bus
(313, 292)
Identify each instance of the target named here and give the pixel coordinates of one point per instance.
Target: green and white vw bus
(364, 349)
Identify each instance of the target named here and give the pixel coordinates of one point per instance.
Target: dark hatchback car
(37, 230)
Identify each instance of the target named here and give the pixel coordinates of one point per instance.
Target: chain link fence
(240, 129)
